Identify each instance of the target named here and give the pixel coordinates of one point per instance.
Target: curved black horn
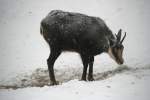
(123, 38)
(119, 35)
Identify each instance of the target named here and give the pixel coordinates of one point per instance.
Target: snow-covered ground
(132, 84)
(23, 52)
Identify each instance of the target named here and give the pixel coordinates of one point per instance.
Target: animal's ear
(119, 35)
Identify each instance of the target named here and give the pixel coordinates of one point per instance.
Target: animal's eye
(117, 46)
(116, 49)
(122, 47)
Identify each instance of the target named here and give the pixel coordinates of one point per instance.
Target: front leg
(90, 75)
(85, 66)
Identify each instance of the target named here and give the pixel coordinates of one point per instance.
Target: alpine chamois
(87, 35)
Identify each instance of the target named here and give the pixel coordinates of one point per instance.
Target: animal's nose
(121, 61)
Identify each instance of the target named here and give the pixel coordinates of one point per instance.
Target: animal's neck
(110, 42)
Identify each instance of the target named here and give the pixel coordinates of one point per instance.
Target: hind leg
(50, 61)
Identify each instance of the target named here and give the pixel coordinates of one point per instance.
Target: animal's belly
(69, 45)
(75, 48)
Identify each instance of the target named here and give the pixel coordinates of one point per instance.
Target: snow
(23, 52)
(124, 86)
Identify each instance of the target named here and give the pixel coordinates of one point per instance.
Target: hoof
(54, 83)
(83, 79)
(91, 79)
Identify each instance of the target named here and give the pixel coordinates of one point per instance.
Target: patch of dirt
(40, 76)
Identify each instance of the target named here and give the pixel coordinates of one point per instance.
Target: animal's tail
(44, 32)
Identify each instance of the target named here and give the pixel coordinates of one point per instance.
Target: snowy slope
(23, 52)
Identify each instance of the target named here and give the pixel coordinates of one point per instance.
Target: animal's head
(116, 49)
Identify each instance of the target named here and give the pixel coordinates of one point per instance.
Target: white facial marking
(111, 54)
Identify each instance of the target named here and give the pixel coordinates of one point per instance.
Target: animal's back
(68, 22)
